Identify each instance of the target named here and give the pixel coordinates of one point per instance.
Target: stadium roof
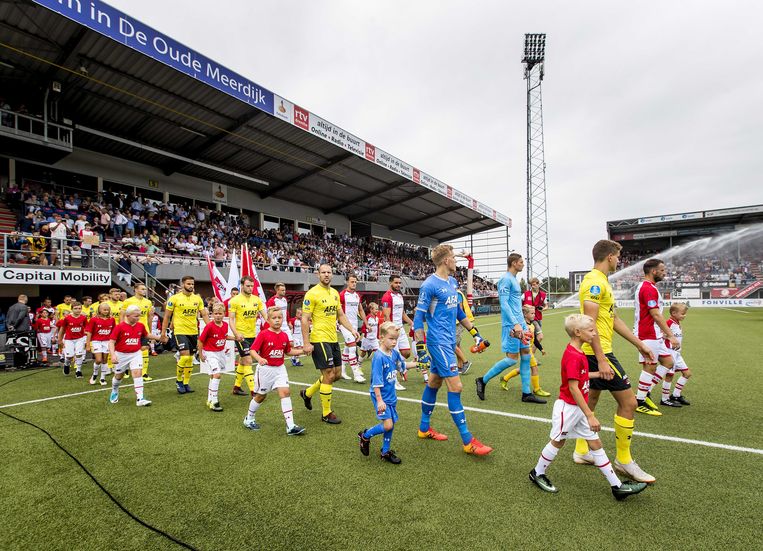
(684, 224)
(129, 98)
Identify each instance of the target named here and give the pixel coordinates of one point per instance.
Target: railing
(28, 249)
(20, 124)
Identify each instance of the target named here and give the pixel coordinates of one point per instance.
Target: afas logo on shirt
(132, 341)
(275, 353)
(391, 376)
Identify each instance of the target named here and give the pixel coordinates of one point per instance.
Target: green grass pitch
(205, 479)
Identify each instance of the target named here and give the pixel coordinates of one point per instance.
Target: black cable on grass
(114, 500)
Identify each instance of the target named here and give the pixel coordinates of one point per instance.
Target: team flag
(248, 269)
(218, 281)
(233, 277)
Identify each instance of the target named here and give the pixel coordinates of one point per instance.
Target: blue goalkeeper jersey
(510, 297)
(438, 306)
(384, 368)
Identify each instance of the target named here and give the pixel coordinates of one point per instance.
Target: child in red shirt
(42, 325)
(212, 351)
(71, 331)
(269, 350)
(125, 346)
(98, 332)
(572, 418)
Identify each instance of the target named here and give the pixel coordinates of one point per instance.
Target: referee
(321, 308)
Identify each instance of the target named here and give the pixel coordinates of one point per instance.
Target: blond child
(678, 311)
(572, 418)
(529, 313)
(387, 361)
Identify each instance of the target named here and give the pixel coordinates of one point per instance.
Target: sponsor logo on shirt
(595, 290)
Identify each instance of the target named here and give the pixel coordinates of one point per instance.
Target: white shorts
(53, 336)
(297, 342)
(402, 341)
(267, 377)
(44, 340)
(369, 345)
(99, 347)
(129, 360)
(568, 421)
(346, 335)
(74, 347)
(678, 362)
(216, 361)
(658, 348)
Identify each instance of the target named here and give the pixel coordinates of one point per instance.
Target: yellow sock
(145, 363)
(511, 374)
(179, 372)
(535, 382)
(623, 435)
(326, 398)
(109, 364)
(239, 376)
(581, 446)
(313, 388)
(187, 371)
(249, 377)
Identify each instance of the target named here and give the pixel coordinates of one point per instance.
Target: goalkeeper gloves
(480, 344)
(422, 354)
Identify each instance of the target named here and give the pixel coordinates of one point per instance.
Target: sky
(649, 107)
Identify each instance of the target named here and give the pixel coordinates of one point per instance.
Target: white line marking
(735, 310)
(441, 404)
(548, 421)
(84, 392)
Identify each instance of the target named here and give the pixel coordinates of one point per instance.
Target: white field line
(735, 310)
(441, 404)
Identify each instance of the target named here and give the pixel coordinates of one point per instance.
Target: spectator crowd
(155, 232)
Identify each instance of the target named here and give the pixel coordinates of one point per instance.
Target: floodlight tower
(537, 215)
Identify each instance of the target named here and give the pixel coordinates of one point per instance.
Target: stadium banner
(219, 194)
(126, 30)
(53, 276)
(733, 211)
(705, 303)
(750, 289)
(671, 218)
(723, 293)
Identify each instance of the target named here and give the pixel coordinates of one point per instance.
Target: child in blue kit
(384, 367)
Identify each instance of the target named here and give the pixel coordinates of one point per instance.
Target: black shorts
(244, 346)
(326, 355)
(619, 382)
(186, 342)
(143, 341)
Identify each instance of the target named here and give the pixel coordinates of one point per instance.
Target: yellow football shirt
(89, 311)
(185, 312)
(62, 310)
(465, 307)
(322, 304)
(595, 287)
(146, 307)
(116, 307)
(245, 310)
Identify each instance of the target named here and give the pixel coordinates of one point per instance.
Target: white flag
(233, 277)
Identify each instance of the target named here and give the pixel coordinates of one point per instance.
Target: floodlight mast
(537, 214)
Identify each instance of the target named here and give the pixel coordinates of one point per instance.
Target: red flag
(247, 268)
(218, 281)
